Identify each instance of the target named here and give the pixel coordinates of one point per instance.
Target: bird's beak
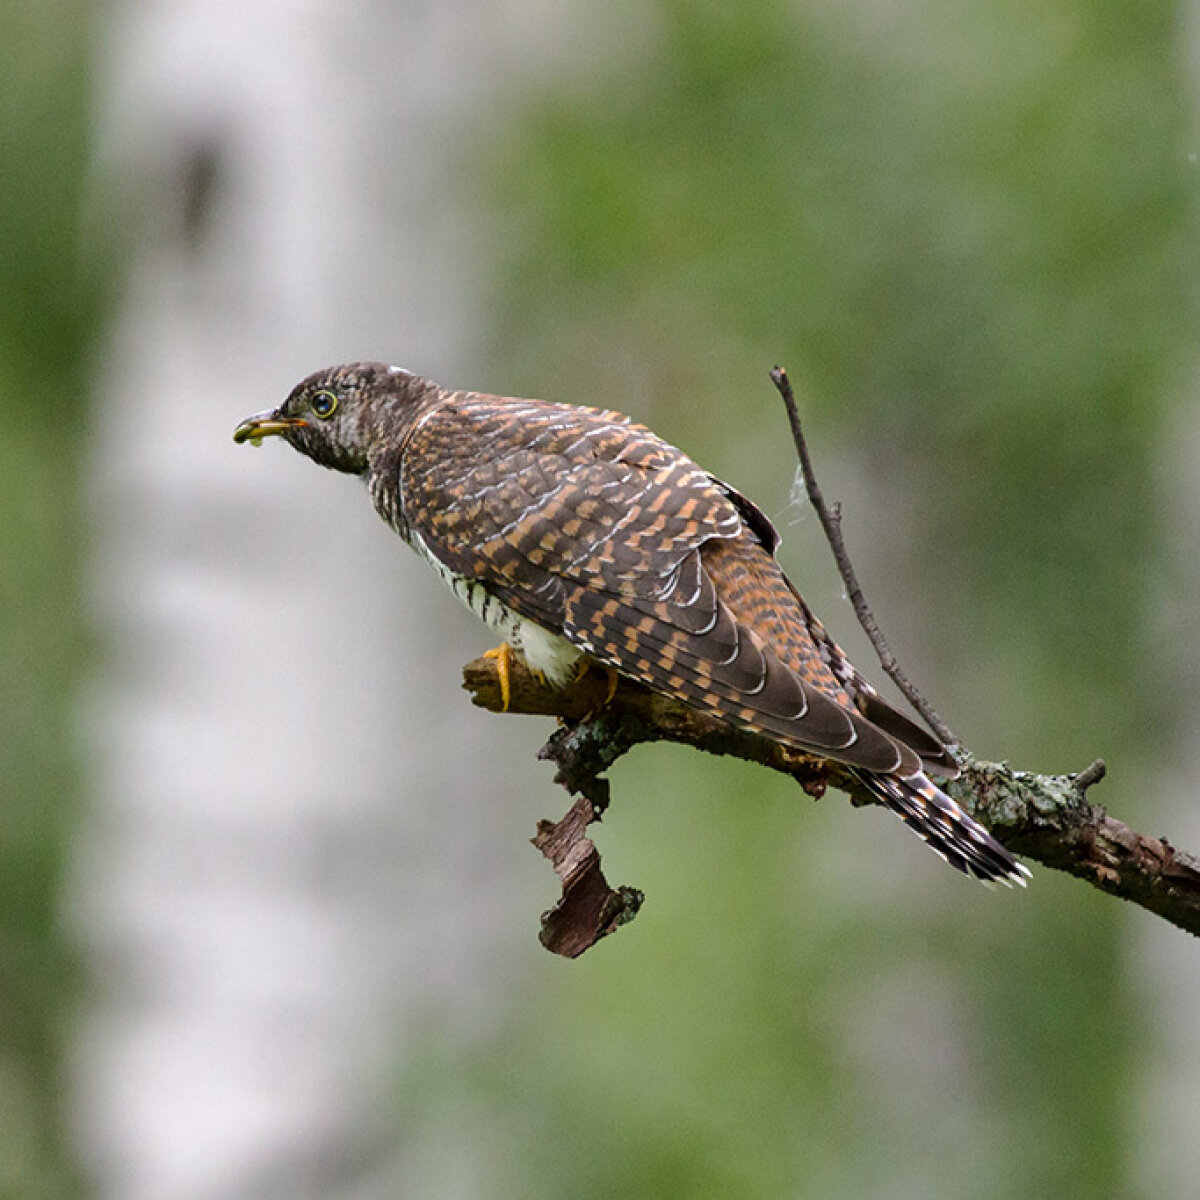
(266, 424)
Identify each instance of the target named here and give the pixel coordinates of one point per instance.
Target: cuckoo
(583, 538)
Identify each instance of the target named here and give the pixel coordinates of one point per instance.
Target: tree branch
(1047, 818)
(831, 521)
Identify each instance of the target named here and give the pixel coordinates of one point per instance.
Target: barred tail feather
(945, 828)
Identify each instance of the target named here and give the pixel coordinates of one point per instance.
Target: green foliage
(969, 231)
(969, 235)
(44, 318)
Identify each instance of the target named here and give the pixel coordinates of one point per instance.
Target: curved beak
(265, 424)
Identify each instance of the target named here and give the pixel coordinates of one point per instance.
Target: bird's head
(337, 415)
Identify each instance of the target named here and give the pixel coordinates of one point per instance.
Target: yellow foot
(613, 679)
(503, 655)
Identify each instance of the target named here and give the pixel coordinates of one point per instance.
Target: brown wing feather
(596, 529)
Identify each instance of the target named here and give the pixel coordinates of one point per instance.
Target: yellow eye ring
(323, 404)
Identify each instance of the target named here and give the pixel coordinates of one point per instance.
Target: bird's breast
(544, 651)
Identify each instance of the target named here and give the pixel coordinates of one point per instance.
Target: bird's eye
(324, 404)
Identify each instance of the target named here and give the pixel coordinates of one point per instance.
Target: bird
(584, 539)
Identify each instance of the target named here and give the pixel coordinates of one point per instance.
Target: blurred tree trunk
(269, 914)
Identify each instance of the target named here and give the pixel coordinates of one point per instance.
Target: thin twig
(831, 521)
(1091, 774)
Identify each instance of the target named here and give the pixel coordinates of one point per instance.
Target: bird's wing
(596, 529)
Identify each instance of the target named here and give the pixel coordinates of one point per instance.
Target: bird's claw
(612, 679)
(503, 655)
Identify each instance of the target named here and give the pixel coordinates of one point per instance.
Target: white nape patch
(393, 370)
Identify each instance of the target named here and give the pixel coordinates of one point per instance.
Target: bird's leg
(587, 665)
(503, 655)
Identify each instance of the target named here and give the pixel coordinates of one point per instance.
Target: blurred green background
(970, 233)
(49, 318)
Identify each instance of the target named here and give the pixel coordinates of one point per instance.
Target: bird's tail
(945, 828)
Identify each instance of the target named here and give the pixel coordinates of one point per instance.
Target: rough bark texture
(1047, 818)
